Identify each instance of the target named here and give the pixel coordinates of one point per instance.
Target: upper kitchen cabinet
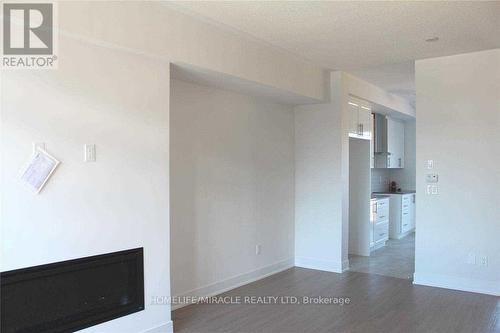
(389, 143)
(395, 143)
(360, 119)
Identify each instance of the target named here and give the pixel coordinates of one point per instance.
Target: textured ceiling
(359, 36)
(398, 79)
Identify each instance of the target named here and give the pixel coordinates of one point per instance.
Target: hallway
(396, 259)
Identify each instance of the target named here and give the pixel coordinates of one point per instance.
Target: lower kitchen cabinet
(379, 222)
(401, 215)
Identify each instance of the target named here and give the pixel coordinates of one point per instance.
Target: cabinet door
(365, 121)
(395, 143)
(353, 117)
(381, 232)
(405, 221)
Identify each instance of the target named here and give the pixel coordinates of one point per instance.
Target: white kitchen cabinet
(389, 142)
(379, 222)
(372, 142)
(401, 215)
(360, 119)
(395, 143)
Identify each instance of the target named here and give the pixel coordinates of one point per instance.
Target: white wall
(365, 90)
(359, 197)
(318, 199)
(118, 101)
(458, 125)
(112, 89)
(153, 27)
(322, 172)
(232, 176)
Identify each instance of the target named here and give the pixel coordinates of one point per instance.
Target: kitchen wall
(458, 101)
(359, 197)
(405, 177)
(232, 176)
(322, 172)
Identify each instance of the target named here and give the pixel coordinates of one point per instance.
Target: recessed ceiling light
(432, 39)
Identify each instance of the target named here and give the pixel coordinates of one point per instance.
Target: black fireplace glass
(71, 295)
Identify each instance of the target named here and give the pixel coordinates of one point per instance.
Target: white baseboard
(322, 265)
(458, 283)
(235, 281)
(345, 265)
(163, 328)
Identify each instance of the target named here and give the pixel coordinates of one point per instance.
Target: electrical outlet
(484, 261)
(257, 249)
(432, 190)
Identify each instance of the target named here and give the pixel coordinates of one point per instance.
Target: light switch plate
(89, 153)
(429, 164)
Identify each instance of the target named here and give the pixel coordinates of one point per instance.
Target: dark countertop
(388, 193)
(379, 196)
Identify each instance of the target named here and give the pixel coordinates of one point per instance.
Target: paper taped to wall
(39, 170)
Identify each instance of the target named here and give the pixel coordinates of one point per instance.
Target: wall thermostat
(431, 178)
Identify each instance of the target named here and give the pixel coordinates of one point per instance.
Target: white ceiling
(362, 37)
(398, 79)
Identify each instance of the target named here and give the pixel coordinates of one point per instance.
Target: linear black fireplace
(71, 295)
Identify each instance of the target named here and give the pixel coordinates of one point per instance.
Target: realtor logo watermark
(29, 35)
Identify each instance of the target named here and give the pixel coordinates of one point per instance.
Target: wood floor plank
(378, 304)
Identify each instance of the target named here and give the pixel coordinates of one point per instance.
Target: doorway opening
(382, 194)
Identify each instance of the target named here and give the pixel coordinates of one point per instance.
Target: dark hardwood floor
(377, 304)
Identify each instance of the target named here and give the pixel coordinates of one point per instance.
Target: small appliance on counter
(394, 187)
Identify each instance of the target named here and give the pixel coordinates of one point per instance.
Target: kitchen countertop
(377, 194)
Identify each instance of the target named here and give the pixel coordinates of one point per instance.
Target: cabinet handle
(404, 225)
(399, 162)
(388, 161)
(360, 129)
(381, 234)
(381, 217)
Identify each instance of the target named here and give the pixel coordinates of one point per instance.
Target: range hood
(380, 134)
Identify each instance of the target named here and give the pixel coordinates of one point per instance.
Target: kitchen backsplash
(381, 179)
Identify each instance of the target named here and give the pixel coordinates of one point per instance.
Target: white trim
(321, 264)
(163, 328)
(235, 281)
(458, 283)
(345, 265)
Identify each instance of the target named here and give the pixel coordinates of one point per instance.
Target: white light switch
(429, 164)
(89, 153)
